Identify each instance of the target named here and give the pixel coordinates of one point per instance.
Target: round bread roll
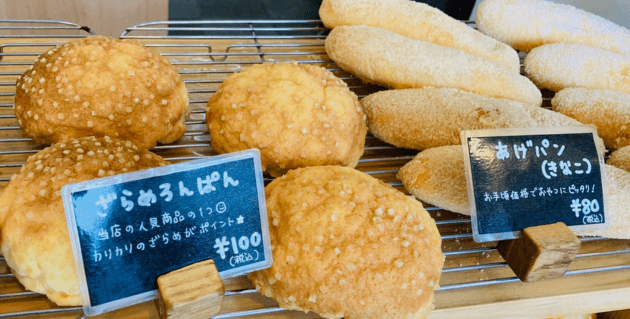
(563, 65)
(418, 21)
(392, 60)
(620, 158)
(438, 177)
(99, 86)
(297, 115)
(347, 245)
(431, 117)
(608, 110)
(526, 24)
(33, 231)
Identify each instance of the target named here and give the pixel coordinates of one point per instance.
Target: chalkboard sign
(519, 178)
(129, 229)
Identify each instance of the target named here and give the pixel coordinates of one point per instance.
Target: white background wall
(617, 11)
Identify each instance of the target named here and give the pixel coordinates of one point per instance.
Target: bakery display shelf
(476, 282)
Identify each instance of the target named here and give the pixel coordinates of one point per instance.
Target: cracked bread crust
(295, 114)
(347, 245)
(34, 235)
(99, 86)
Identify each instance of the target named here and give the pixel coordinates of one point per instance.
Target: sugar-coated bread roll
(549, 118)
(526, 24)
(33, 231)
(608, 110)
(618, 201)
(387, 58)
(430, 117)
(546, 118)
(296, 114)
(563, 65)
(345, 244)
(620, 158)
(419, 21)
(99, 86)
(438, 177)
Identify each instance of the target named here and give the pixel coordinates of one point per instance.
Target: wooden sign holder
(195, 291)
(542, 252)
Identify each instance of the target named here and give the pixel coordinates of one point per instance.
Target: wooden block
(621, 314)
(542, 252)
(195, 291)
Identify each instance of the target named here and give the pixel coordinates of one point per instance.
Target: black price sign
(519, 178)
(129, 229)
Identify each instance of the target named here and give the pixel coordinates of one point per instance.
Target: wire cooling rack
(476, 282)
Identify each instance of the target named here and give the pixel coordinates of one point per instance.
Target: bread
(418, 21)
(101, 86)
(437, 176)
(563, 65)
(526, 24)
(389, 59)
(430, 117)
(620, 158)
(345, 244)
(296, 114)
(549, 118)
(608, 110)
(618, 201)
(33, 231)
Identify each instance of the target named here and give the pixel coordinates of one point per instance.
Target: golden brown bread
(608, 110)
(430, 117)
(296, 114)
(437, 176)
(33, 231)
(545, 117)
(564, 65)
(620, 158)
(418, 21)
(549, 118)
(387, 58)
(345, 244)
(526, 24)
(100, 86)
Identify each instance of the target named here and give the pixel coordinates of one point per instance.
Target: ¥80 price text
(589, 209)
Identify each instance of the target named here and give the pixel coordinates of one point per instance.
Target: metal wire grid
(203, 66)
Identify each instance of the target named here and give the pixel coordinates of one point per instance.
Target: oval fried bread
(430, 117)
(567, 65)
(437, 176)
(620, 158)
(387, 58)
(526, 24)
(617, 190)
(608, 110)
(418, 21)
